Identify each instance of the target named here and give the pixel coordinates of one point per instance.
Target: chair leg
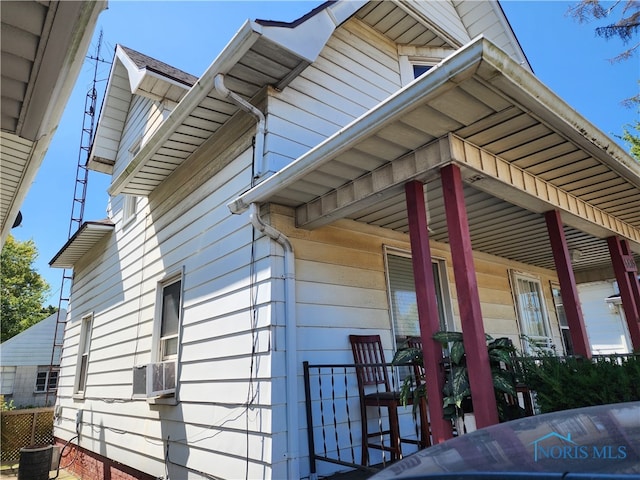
(425, 428)
(365, 436)
(394, 427)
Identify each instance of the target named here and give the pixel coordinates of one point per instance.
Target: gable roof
(273, 53)
(43, 48)
(132, 73)
(34, 345)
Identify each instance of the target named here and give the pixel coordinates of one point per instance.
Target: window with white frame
(82, 365)
(46, 379)
(129, 209)
(562, 319)
(7, 379)
(402, 295)
(531, 312)
(130, 203)
(168, 318)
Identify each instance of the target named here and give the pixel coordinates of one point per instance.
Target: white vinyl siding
(357, 69)
(144, 118)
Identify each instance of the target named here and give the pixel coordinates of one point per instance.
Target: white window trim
(156, 355)
(129, 209)
(409, 55)
(84, 349)
(543, 342)
(8, 376)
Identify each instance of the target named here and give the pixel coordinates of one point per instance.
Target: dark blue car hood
(592, 442)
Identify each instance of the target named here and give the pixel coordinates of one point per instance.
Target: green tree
(622, 19)
(22, 289)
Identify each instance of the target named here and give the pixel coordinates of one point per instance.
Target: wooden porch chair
(419, 373)
(371, 372)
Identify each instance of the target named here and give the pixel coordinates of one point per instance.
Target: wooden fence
(24, 428)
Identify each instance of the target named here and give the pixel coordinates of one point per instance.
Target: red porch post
(627, 276)
(427, 309)
(567, 284)
(480, 380)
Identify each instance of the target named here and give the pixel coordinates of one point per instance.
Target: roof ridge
(145, 61)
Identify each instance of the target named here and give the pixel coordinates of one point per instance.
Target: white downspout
(291, 357)
(218, 83)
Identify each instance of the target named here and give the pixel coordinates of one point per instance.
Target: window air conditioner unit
(154, 379)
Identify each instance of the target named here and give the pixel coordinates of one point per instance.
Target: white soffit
(82, 242)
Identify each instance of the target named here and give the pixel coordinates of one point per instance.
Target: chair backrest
(369, 357)
(418, 369)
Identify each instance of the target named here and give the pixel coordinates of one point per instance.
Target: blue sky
(567, 56)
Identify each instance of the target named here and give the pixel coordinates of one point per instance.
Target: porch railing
(333, 418)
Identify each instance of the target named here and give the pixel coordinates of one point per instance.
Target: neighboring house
(25, 363)
(296, 193)
(43, 48)
(604, 317)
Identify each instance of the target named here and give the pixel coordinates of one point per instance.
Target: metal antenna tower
(77, 214)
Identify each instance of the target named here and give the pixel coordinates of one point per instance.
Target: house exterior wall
(357, 69)
(27, 351)
(143, 119)
(342, 288)
(226, 352)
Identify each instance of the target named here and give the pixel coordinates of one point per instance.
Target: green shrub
(565, 383)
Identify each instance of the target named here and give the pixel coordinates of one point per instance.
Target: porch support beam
(473, 334)
(502, 179)
(372, 187)
(626, 272)
(427, 309)
(567, 280)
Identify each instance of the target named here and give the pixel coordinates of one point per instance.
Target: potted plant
(456, 390)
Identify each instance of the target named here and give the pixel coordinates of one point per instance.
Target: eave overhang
(86, 238)
(43, 49)
(479, 102)
(260, 54)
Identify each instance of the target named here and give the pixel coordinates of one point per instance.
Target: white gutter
(259, 166)
(291, 357)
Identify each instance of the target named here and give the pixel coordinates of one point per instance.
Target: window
(531, 311)
(420, 69)
(46, 380)
(562, 319)
(129, 209)
(402, 296)
(7, 379)
(83, 355)
(168, 319)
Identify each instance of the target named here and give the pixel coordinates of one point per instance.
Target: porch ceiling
(82, 242)
(554, 158)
